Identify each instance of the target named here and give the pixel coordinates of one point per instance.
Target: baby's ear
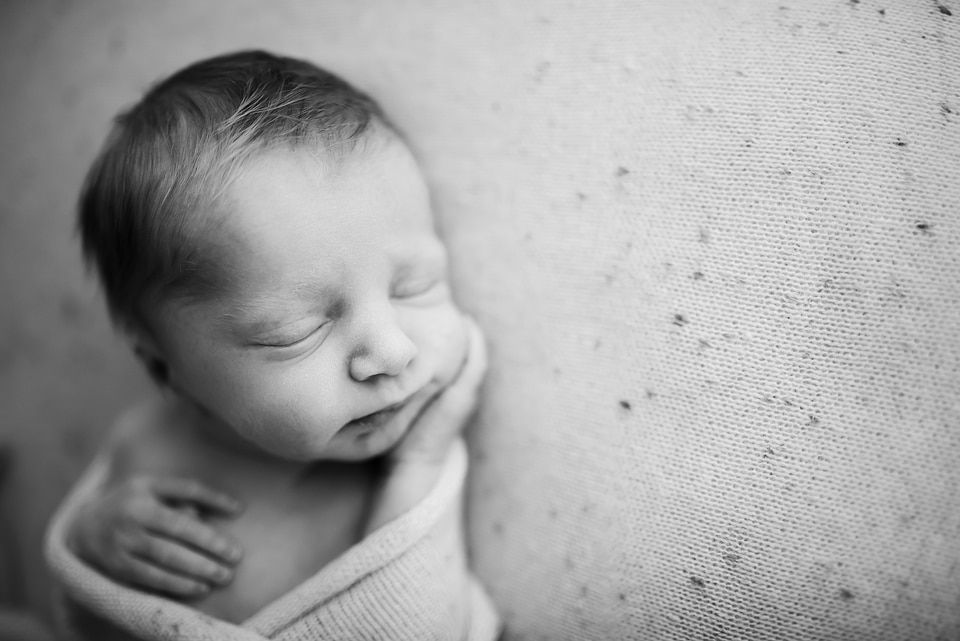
(149, 354)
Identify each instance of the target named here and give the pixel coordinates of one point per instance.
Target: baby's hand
(147, 532)
(413, 465)
(445, 416)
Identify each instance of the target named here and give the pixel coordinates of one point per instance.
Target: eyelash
(404, 290)
(417, 288)
(296, 342)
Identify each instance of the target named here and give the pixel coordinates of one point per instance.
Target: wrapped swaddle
(407, 580)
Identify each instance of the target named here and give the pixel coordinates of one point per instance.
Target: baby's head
(265, 237)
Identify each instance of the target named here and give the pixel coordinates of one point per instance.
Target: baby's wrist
(77, 540)
(412, 458)
(412, 465)
(403, 483)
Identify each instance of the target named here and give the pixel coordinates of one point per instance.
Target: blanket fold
(407, 580)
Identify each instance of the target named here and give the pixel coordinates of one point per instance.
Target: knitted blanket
(407, 580)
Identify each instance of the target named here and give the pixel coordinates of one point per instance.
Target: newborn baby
(265, 240)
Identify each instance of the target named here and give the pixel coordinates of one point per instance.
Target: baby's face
(337, 324)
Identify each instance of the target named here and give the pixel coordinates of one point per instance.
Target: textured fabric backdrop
(714, 245)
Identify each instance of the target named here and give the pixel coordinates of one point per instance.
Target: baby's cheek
(290, 416)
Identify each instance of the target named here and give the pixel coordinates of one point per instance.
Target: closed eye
(411, 288)
(282, 342)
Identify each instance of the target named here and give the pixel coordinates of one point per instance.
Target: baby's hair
(173, 153)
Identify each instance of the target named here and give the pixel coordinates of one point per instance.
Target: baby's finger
(181, 526)
(191, 491)
(456, 402)
(173, 557)
(146, 575)
(476, 365)
(468, 380)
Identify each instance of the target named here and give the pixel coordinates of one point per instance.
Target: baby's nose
(386, 351)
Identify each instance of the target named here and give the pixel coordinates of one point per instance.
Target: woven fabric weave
(406, 580)
(727, 384)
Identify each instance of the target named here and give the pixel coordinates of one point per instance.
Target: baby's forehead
(375, 158)
(375, 186)
(377, 166)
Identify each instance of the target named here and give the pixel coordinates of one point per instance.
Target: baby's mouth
(378, 419)
(410, 406)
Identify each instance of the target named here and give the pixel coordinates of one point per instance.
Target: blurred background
(714, 244)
